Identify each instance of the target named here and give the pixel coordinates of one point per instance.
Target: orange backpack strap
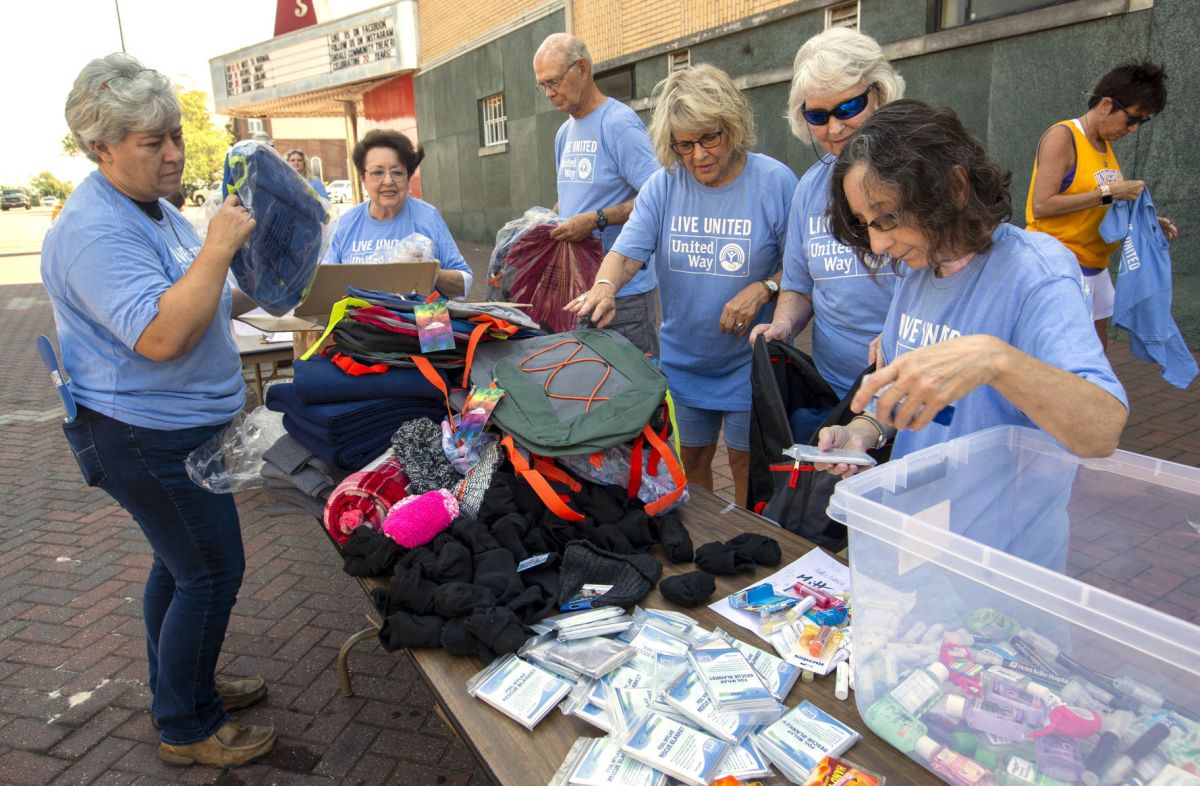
(551, 470)
(660, 447)
(538, 483)
(476, 335)
(426, 368)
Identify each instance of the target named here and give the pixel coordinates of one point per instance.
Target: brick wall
(612, 29)
(446, 24)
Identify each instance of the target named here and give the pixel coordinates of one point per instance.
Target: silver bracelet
(882, 440)
(606, 281)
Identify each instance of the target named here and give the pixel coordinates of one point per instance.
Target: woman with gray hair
(840, 78)
(142, 311)
(714, 220)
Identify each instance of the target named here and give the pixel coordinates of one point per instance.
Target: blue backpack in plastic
(276, 266)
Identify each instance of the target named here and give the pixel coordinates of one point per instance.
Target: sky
(46, 43)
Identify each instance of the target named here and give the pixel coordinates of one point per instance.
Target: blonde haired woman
(714, 220)
(840, 78)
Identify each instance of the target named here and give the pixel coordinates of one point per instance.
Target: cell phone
(813, 455)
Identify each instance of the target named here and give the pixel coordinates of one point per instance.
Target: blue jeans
(198, 560)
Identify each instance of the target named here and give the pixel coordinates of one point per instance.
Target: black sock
(675, 540)
(688, 589)
(760, 548)
(402, 630)
(458, 599)
(722, 560)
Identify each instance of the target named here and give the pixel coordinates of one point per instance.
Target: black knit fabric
(688, 589)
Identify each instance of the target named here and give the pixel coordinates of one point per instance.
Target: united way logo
(585, 168)
(731, 257)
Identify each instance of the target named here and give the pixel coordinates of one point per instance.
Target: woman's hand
(741, 309)
(842, 438)
(1169, 230)
(1127, 189)
(230, 227)
(598, 304)
(874, 353)
(922, 382)
(771, 331)
(575, 228)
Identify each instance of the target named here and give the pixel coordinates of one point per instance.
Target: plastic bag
(412, 248)
(232, 460)
(277, 264)
(507, 235)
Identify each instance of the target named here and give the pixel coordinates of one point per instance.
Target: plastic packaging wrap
(528, 266)
(411, 248)
(276, 266)
(614, 470)
(232, 460)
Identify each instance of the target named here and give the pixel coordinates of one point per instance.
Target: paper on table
(816, 568)
(241, 328)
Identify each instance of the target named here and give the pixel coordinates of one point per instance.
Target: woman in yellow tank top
(1076, 176)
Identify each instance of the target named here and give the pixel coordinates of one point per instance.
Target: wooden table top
(513, 755)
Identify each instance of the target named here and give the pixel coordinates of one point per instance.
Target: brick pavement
(73, 701)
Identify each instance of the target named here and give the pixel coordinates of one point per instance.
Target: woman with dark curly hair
(986, 316)
(385, 161)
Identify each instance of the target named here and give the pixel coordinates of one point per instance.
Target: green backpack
(580, 393)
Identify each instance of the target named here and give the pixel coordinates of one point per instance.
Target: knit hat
(471, 489)
(630, 576)
(418, 445)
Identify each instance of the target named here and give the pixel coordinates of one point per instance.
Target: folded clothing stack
(347, 434)
(320, 381)
(298, 477)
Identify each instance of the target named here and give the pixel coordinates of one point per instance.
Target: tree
(47, 184)
(204, 142)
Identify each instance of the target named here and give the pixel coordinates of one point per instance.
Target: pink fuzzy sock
(414, 521)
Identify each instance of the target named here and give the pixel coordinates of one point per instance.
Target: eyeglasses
(378, 175)
(551, 85)
(1131, 119)
(843, 111)
(885, 222)
(708, 142)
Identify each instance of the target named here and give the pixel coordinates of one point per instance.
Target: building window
(316, 168)
(495, 125)
(679, 60)
(617, 84)
(964, 12)
(255, 126)
(843, 15)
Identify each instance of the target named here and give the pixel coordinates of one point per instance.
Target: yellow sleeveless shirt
(1080, 230)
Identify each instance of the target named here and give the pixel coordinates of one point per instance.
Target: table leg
(344, 653)
(258, 381)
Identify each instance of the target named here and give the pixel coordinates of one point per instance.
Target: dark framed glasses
(708, 142)
(1131, 119)
(844, 111)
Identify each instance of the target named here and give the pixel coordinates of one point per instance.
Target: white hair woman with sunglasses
(840, 78)
(714, 219)
(386, 161)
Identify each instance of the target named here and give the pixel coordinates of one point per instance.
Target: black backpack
(783, 490)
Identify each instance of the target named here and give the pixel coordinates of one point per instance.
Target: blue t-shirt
(709, 244)
(602, 160)
(1025, 291)
(849, 304)
(1143, 299)
(359, 236)
(105, 264)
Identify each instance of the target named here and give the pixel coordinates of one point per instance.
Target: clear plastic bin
(1096, 563)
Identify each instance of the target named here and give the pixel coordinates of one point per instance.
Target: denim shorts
(700, 427)
(637, 320)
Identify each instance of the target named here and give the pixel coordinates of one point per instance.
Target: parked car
(205, 193)
(340, 191)
(14, 197)
(48, 201)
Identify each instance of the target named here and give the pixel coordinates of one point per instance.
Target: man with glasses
(602, 158)
(1076, 176)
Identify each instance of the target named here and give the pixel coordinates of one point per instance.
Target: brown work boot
(231, 746)
(240, 692)
(237, 693)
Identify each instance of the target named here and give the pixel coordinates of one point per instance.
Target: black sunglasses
(1131, 119)
(843, 111)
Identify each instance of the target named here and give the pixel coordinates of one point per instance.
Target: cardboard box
(329, 286)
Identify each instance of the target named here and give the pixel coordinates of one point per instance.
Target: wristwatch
(771, 285)
(1106, 196)
(601, 220)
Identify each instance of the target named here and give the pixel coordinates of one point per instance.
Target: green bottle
(894, 723)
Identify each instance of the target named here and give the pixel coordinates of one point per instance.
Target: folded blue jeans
(198, 560)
